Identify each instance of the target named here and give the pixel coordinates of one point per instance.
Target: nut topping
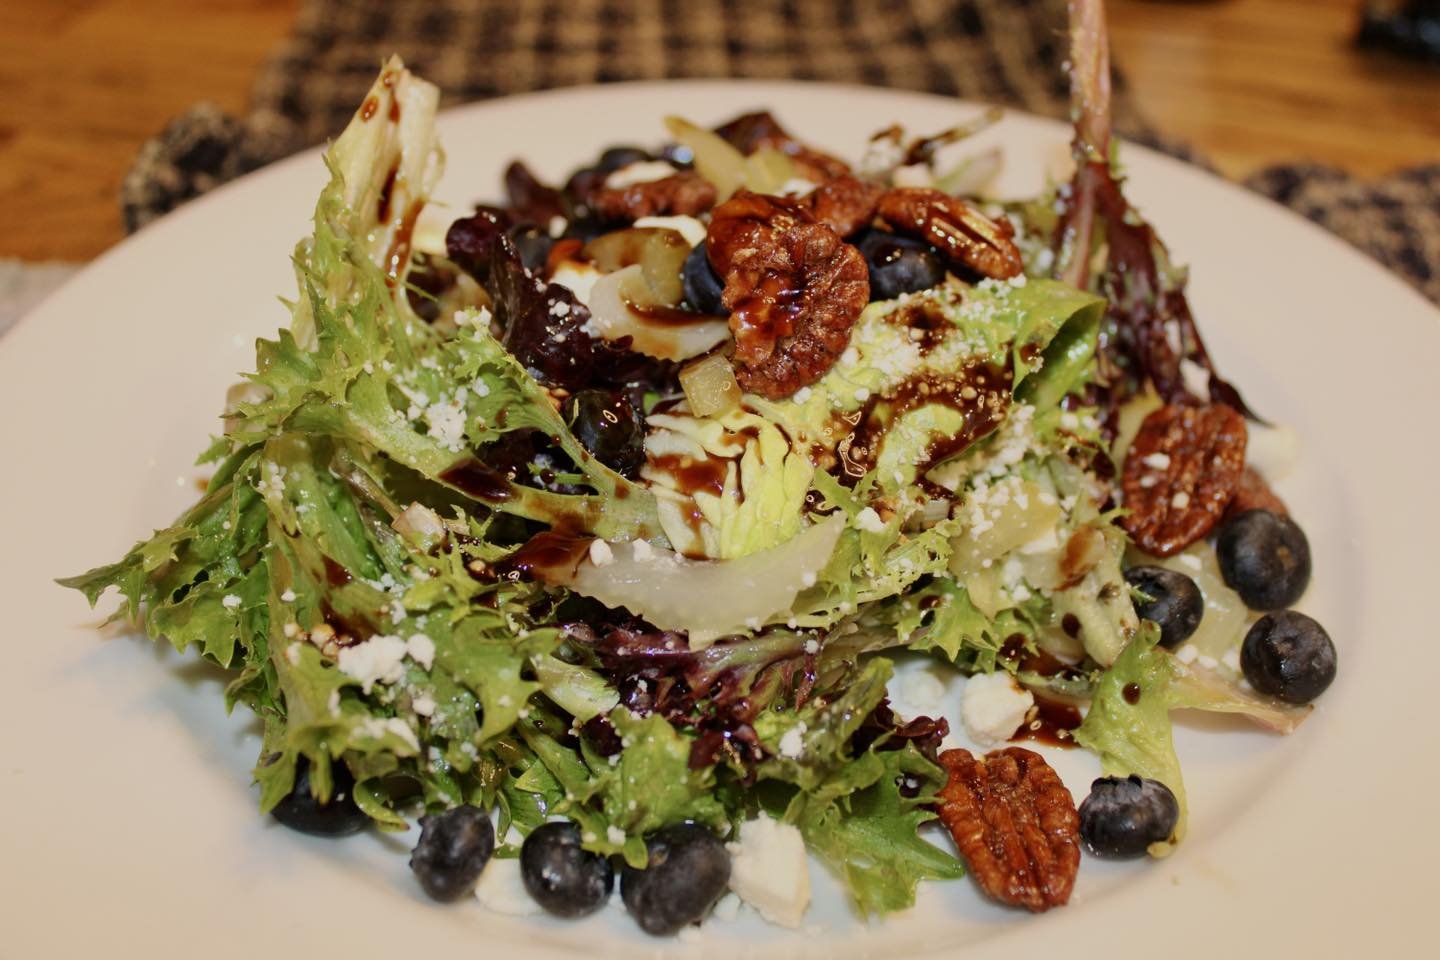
(845, 204)
(685, 193)
(965, 235)
(1015, 825)
(1181, 473)
(793, 288)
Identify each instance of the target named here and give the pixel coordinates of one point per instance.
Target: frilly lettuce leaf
(864, 829)
(764, 482)
(1131, 732)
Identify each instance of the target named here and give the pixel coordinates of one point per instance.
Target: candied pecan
(1252, 492)
(685, 193)
(844, 204)
(793, 287)
(1180, 475)
(755, 131)
(955, 228)
(1015, 825)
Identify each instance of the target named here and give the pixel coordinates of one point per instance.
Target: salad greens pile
(621, 648)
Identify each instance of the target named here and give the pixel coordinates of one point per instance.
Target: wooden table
(1249, 82)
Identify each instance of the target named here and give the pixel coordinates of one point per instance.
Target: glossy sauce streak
(1052, 723)
(980, 392)
(552, 555)
(472, 477)
(691, 475)
(662, 316)
(368, 108)
(336, 575)
(387, 189)
(399, 253)
(1131, 693)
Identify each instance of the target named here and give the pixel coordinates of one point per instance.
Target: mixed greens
(465, 546)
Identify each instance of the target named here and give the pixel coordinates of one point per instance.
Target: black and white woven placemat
(1008, 52)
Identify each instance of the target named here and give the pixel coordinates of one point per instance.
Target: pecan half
(955, 228)
(1252, 492)
(1180, 475)
(754, 131)
(793, 287)
(1015, 825)
(685, 193)
(844, 204)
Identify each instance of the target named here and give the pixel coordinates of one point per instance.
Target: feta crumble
(993, 707)
(769, 870)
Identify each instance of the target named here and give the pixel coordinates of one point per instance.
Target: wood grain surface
(1248, 82)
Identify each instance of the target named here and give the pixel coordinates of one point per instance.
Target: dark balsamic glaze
(1053, 723)
(691, 475)
(472, 477)
(553, 554)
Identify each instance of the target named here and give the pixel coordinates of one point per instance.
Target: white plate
(129, 824)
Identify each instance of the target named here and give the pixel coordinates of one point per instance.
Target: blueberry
(453, 849)
(687, 871)
(899, 264)
(613, 158)
(702, 285)
(534, 244)
(1175, 602)
(1288, 655)
(340, 817)
(1265, 558)
(1124, 815)
(563, 878)
(608, 425)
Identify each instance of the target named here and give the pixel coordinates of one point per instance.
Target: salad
(589, 534)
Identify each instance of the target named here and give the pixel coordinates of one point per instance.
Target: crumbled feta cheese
(378, 660)
(644, 171)
(421, 649)
(1231, 659)
(801, 395)
(288, 596)
(1187, 653)
(807, 579)
(1156, 461)
(424, 705)
(615, 835)
(812, 646)
(231, 602)
(446, 422)
(993, 707)
(500, 889)
(643, 551)
(792, 744)
(797, 187)
(769, 870)
(869, 521)
(600, 553)
(379, 727)
(1180, 501)
(292, 653)
(688, 227)
(917, 693)
(556, 227)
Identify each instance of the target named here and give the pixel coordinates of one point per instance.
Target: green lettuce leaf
(865, 831)
(1128, 724)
